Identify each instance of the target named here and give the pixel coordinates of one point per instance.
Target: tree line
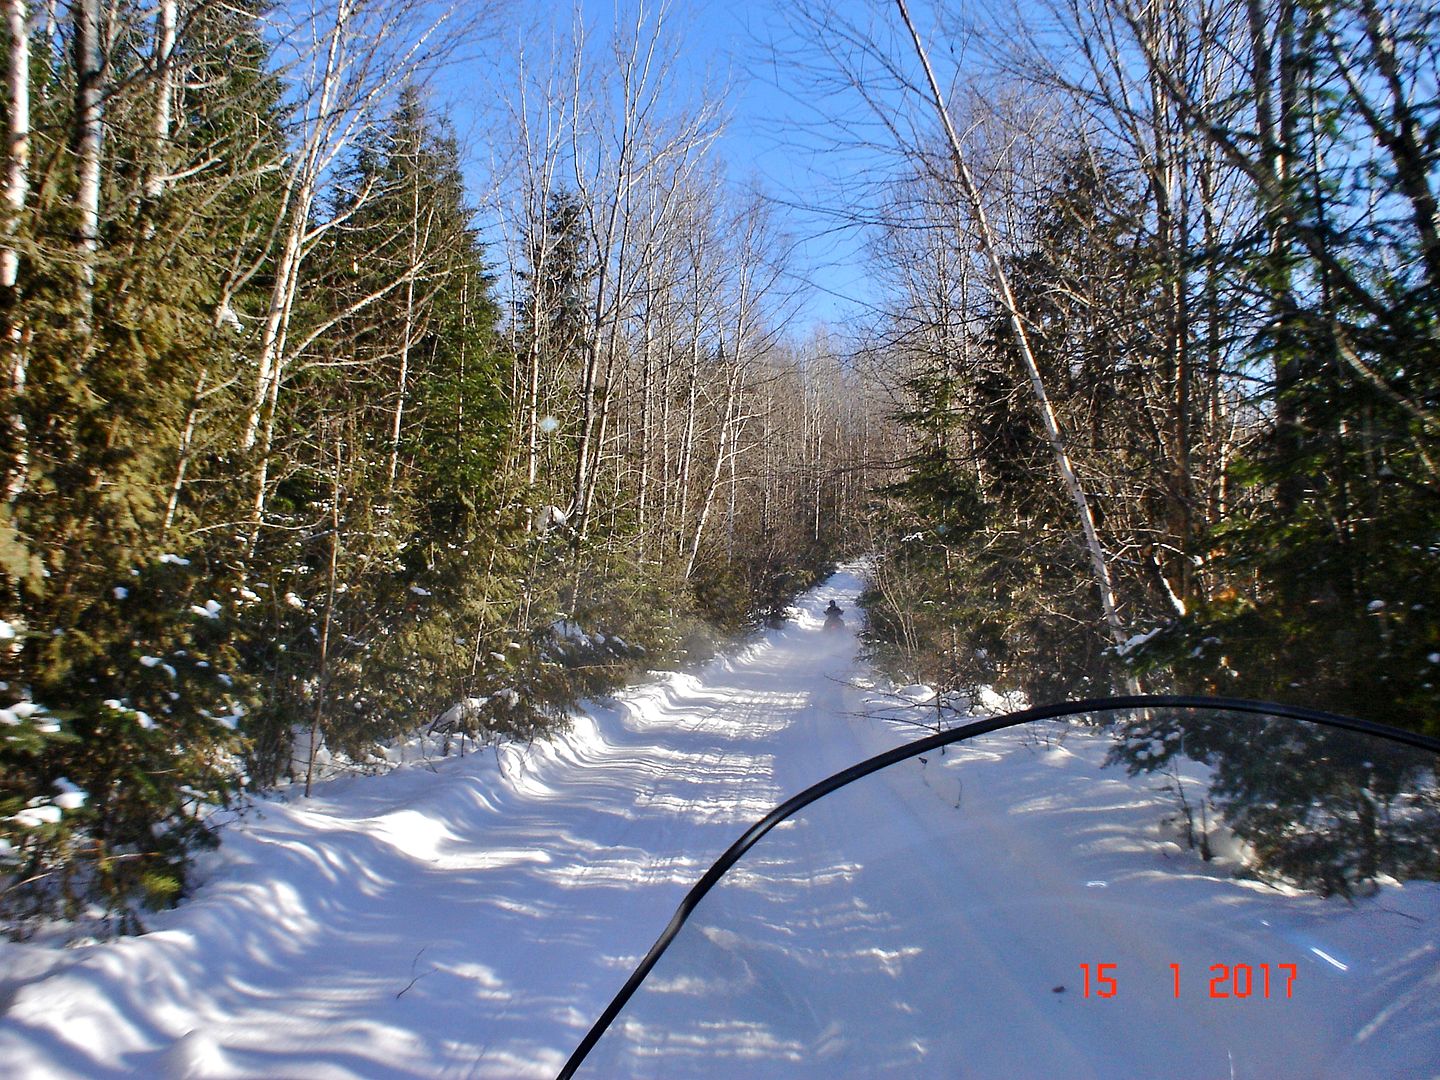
(309, 444)
(298, 459)
(1162, 323)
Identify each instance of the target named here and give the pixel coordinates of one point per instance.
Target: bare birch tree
(17, 189)
(990, 245)
(90, 65)
(621, 153)
(362, 53)
(18, 24)
(540, 112)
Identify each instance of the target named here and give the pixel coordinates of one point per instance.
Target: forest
(324, 425)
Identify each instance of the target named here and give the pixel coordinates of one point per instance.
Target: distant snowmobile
(833, 620)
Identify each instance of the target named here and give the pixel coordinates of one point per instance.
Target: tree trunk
(17, 160)
(1086, 518)
(17, 190)
(322, 677)
(182, 463)
(687, 439)
(722, 450)
(164, 95)
(647, 410)
(408, 331)
(89, 131)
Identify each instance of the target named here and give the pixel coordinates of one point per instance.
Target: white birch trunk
(1083, 512)
(182, 464)
(403, 375)
(647, 406)
(722, 450)
(17, 191)
(89, 132)
(687, 439)
(725, 451)
(17, 160)
(165, 20)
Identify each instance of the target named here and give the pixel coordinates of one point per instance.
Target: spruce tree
(123, 618)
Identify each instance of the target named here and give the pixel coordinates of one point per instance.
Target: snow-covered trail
(466, 921)
(472, 919)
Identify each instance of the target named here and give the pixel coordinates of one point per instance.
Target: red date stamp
(1240, 981)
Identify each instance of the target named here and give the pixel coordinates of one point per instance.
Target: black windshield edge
(861, 769)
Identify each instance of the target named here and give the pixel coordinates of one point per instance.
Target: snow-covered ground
(471, 917)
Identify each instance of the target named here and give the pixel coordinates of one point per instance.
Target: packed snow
(472, 916)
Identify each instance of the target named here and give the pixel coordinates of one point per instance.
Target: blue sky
(772, 140)
(779, 136)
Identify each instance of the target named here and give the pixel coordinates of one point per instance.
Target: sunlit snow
(471, 916)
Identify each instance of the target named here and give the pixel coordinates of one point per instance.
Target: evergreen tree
(122, 646)
(1329, 595)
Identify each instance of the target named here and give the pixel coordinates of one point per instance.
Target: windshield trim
(798, 802)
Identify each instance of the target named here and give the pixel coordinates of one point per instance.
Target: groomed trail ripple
(465, 918)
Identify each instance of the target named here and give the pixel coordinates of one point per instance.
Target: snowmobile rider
(833, 621)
